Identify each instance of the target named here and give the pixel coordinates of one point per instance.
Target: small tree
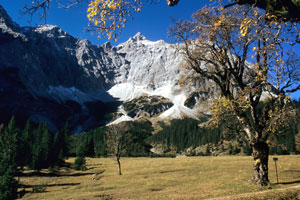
(80, 161)
(242, 54)
(117, 138)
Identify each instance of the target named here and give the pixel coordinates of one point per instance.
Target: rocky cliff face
(48, 63)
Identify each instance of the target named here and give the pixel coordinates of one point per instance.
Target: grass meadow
(164, 178)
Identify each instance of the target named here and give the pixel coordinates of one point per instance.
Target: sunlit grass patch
(163, 178)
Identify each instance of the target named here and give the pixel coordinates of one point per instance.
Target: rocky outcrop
(147, 106)
(8, 29)
(152, 64)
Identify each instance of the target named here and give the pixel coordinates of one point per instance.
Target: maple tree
(243, 55)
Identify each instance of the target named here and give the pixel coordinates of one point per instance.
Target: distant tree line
(181, 134)
(93, 143)
(185, 133)
(287, 141)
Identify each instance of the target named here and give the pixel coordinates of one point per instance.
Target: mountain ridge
(54, 65)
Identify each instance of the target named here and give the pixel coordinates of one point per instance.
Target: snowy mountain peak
(45, 28)
(138, 36)
(50, 31)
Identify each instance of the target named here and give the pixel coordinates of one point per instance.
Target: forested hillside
(35, 147)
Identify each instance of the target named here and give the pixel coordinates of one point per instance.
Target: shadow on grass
(56, 174)
(40, 188)
(287, 183)
(170, 171)
(155, 189)
(292, 171)
(89, 168)
(48, 185)
(104, 196)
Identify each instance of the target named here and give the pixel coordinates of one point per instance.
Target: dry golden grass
(165, 178)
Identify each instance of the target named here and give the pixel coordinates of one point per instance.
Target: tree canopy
(283, 9)
(244, 56)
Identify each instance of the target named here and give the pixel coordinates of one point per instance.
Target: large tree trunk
(260, 168)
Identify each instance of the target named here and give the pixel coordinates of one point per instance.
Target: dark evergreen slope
(185, 136)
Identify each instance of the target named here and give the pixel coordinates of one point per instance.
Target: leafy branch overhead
(289, 10)
(109, 17)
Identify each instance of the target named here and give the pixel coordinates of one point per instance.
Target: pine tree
(66, 139)
(37, 150)
(99, 142)
(80, 161)
(20, 158)
(61, 144)
(8, 167)
(8, 184)
(45, 143)
(90, 147)
(27, 140)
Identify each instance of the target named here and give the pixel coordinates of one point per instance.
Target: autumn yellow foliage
(109, 17)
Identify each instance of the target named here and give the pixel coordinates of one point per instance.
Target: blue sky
(153, 22)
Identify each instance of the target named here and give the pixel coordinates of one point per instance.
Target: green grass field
(165, 178)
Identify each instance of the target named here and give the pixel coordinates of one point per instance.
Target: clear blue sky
(153, 21)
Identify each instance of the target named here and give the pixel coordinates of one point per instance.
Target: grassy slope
(165, 178)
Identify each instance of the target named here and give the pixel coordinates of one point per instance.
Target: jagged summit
(138, 36)
(140, 40)
(9, 29)
(6, 21)
(50, 31)
(46, 28)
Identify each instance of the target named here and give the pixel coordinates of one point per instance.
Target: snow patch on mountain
(123, 118)
(44, 28)
(179, 110)
(128, 91)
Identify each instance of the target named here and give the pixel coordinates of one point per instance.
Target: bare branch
(69, 4)
(36, 6)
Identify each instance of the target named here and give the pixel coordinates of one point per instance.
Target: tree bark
(260, 168)
(119, 165)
